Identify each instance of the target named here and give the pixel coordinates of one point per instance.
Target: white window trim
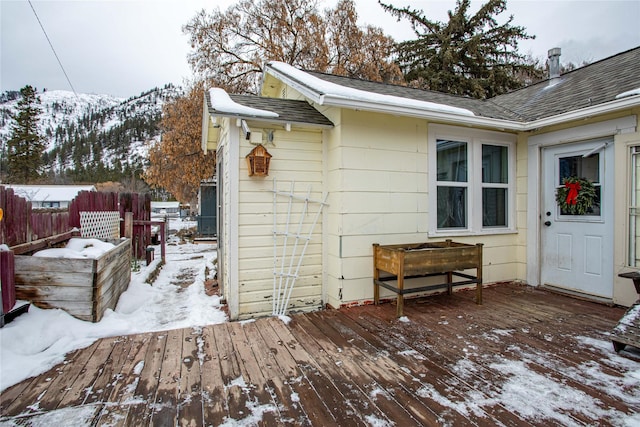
(475, 139)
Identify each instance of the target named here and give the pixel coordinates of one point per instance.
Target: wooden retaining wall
(84, 288)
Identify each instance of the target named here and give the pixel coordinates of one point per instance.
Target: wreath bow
(577, 196)
(572, 195)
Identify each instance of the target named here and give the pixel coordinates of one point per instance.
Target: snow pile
(632, 92)
(338, 92)
(38, 340)
(222, 102)
(78, 248)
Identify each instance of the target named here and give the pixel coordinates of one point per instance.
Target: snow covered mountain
(92, 138)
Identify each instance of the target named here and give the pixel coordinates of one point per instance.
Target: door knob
(547, 223)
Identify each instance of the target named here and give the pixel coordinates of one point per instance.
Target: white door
(577, 249)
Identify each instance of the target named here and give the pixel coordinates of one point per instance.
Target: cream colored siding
(377, 175)
(297, 157)
(223, 153)
(623, 289)
(520, 241)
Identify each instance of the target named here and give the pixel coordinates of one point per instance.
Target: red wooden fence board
(21, 224)
(7, 277)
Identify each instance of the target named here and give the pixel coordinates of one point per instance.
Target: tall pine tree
(469, 55)
(26, 147)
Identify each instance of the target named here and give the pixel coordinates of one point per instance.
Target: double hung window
(473, 180)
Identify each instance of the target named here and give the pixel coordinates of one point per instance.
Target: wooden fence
(140, 206)
(22, 224)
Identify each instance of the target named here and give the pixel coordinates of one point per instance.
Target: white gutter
(584, 113)
(334, 100)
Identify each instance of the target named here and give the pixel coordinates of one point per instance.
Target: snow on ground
(39, 339)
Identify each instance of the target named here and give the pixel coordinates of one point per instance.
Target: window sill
(463, 233)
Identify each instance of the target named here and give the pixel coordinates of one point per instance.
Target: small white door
(577, 249)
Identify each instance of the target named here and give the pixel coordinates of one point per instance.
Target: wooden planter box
(409, 261)
(84, 288)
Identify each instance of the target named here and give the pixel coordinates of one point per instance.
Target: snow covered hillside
(92, 135)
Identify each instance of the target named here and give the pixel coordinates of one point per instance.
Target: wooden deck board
(214, 397)
(451, 362)
(165, 404)
(190, 393)
(289, 405)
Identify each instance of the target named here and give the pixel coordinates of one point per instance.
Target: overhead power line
(52, 49)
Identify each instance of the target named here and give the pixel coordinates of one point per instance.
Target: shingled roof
(288, 110)
(589, 86)
(477, 106)
(593, 84)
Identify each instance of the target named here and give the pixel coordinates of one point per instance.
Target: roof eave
(585, 113)
(269, 120)
(500, 124)
(440, 116)
(306, 91)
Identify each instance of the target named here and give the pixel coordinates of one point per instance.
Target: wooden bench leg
(376, 287)
(479, 278)
(376, 276)
(400, 302)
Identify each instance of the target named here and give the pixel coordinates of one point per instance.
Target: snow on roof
(341, 92)
(631, 92)
(49, 193)
(222, 102)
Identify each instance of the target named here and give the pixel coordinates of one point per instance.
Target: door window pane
(581, 167)
(452, 161)
(585, 168)
(452, 207)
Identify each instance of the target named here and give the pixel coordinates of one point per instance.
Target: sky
(123, 48)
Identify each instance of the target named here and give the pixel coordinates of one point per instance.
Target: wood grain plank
(82, 387)
(256, 383)
(232, 380)
(284, 396)
(342, 359)
(295, 376)
(165, 402)
(190, 392)
(332, 398)
(122, 396)
(214, 396)
(45, 391)
(149, 377)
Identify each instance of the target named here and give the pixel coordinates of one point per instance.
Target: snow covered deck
(525, 357)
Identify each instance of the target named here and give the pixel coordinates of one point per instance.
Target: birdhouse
(258, 161)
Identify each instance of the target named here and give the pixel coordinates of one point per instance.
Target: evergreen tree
(469, 55)
(25, 146)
